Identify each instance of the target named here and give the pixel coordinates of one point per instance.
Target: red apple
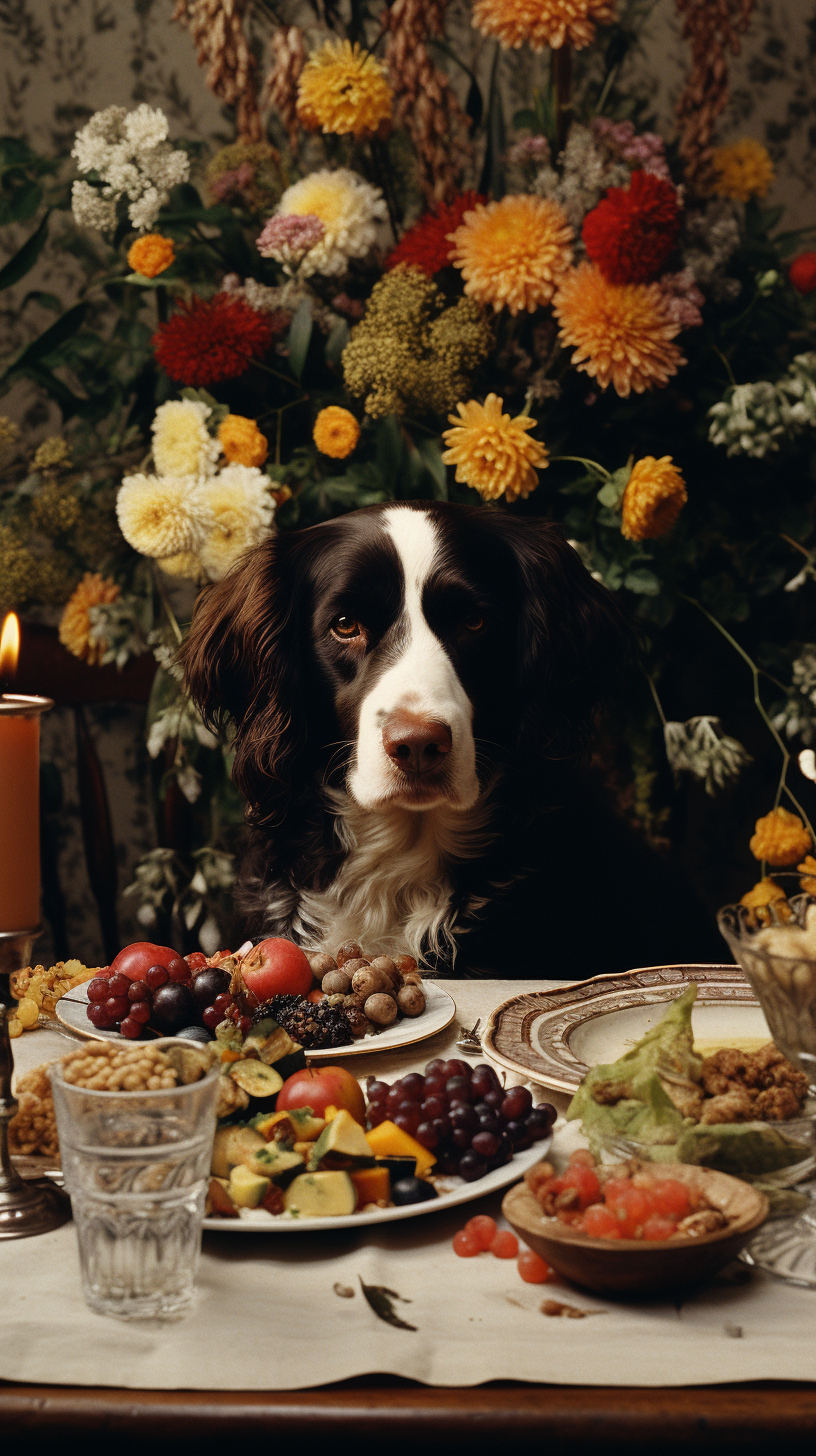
(276, 968)
(135, 961)
(322, 1087)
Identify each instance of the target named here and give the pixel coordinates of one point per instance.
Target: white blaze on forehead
(422, 679)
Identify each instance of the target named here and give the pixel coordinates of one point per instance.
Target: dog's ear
(574, 638)
(240, 661)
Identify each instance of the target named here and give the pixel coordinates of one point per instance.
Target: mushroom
(367, 981)
(388, 967)
(381, 1009)
(411, 1000)
(321, 963)
(336, 983)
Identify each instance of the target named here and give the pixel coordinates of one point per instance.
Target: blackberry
(314, 1026)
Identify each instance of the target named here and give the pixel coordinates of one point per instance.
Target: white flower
(155, 514)
(349, 209)
(807, 764)
(133, 159)
(182, 444)
(180, 721)
(234, 510)
(751, 418)
(700, 747)
(91, 209)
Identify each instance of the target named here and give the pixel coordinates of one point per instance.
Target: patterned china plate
(554, 1037)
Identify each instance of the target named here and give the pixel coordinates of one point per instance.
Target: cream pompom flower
(235, 512)
(350, 210)
(155, 515)
(182, 444)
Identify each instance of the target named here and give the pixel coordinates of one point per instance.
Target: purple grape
(493, 1099)
(472, 1166)
(377, 1091)
(427, 1136)
(413, 1086)
(173, 1007)
(519, 1135)
(459, 1090)
(461, 1137)
(442, 1127)
(486, 1144)
(462, 1115)
(208, 984)
(517, 1103)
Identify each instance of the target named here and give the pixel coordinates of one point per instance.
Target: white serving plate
(258, 1221)
(552, 1038)
(440, 1009)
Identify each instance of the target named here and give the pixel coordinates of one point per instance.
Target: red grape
(462, 1115)
(433, 1067)
(407, 1117)
(490, 1122)
(493, 1099)
(245, 1024)
(459, 1090)
(394, 1098)
(211, 1017)
(413, 1086)
(433, 1107)
(455, 1068)
(442, 1127)
(157, 976)
(140, 1011)
(179, 971)
(223, 1002)
(99, 1016)
(434, 1086)
(98, 989)
(427, 1136)
(377, 1091)
(486, 1144)
(484, 1079)
(138, 991)
(519, 1135)
(130, 1027)
(471, 1167)
(376, 1114)
(460, 1137)
(517, 1103)
(117, 1007)
(118, 985)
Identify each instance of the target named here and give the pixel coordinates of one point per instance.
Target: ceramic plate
(257, 1221)
(554, 1037)
(440, 1009)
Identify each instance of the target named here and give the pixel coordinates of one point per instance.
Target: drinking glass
(784, 979)
(137, 1165)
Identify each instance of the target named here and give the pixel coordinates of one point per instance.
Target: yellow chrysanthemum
(743, 170)
(622, 331)
(242, 441)
(808, 869)
(765, 892)
(151, 254)
(235, 511)
(75, 624)
(781, 838)
(343, 89)
(155, 514)
(492, 452)
(350, 210)
(542, 23)
(336, 432)
(182, 444)
(513, 253)
(184, 564)
(654, 497)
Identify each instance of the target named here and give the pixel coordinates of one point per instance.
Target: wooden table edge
(377, 1406)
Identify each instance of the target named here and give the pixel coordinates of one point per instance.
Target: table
(400, 1411)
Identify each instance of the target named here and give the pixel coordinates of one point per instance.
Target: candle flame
(9, 646)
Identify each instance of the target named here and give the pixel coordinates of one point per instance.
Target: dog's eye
(474, 624)
(344, 628)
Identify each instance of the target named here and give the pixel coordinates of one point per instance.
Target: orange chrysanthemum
(513, 253)
(622, 332)
(542, 23)
(75, 625)
(492, 452)
(151, 254)
(242, 441)
(654, 497)
(342, 90)
(781, 838)
(765, 892)
(335, 432)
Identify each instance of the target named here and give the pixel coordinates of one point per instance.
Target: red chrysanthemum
(208, 340)
(427, 244)
(632, 231)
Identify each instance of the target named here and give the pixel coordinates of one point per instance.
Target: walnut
(776, 1104)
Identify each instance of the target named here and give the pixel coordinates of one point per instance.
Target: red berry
(802, 272)
(483, 1228)
(532, 1268)
(131, 1028)
(658, 1227)
(211, 1017)
(98, 1015)
(585, 1180)
(138, 991)
(600, 1222)
(118, 985)
(179, 972)
(196, 960)
(157, 976)
(98, 989)
(505, 1245)
(466, 1245)
(140, 1011)
(671, 1197)
(117, 1007)
(223, 1002)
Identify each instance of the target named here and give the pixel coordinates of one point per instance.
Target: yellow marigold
(808, 869)
(781, 838)
(242, 441)
(654, 497)
(743, 170)
(765, 892)
(75, 625)
(622, 332)
(52, 453)
(512, 253)
(151, 254)
(344, 89)
(336, 432)
(492, 452)
(542, 23)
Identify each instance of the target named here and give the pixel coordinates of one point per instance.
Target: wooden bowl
(632, 1266)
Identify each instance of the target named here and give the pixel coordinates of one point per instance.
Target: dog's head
(404, 652)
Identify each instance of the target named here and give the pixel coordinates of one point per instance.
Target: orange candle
(19, 796)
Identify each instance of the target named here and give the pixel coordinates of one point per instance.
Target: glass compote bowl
(777, 952)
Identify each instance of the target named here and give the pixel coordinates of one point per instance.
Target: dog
(412, 686)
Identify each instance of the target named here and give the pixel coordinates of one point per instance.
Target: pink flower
(683, 298)
(289, 238)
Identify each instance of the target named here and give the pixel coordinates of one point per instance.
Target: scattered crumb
(734, 1331)
(343, 1290)
(554, 1308)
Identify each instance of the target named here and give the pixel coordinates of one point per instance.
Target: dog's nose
(416, 744)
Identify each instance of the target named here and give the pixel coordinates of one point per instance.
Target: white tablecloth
(268, 1316)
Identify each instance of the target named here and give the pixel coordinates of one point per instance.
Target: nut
(349, 952)
(412, 978)
(381, 1009)
(336, 983)
(405, 963)
(388, 967)
(357, 1020)
(411, 1000)
(355, 999)
(321, 963)
(357, 963)
(366, 982)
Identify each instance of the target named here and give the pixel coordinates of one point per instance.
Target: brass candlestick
(32, 1206)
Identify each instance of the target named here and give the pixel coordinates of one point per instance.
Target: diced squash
(388, 1139)
(234, 1145)
(246, 1188)
(373, 1185)
(276, 1163)
(321, 1195)
(342, 1137)
(256, 1078)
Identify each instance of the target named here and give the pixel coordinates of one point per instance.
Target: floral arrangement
(386, 287)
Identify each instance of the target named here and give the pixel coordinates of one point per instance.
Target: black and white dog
(411, 685)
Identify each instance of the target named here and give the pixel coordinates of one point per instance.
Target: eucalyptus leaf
(54, 336)
(300, 334)
(25, 257)
(639, 579)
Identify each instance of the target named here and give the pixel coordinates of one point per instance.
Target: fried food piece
(737, 1105)
(608, 1093)
(687, 1098)
(33, 1128)
(706, 1221)
(777, 1104)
